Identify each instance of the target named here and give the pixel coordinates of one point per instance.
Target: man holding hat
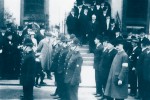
(117, 83)
(28, 70)
(73, 72)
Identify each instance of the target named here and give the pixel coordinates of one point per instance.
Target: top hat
(63, 39)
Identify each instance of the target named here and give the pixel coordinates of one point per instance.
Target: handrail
(118, 20)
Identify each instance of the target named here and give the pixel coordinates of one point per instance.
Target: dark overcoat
(28, 69)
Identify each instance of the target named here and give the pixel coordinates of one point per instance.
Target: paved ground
(43, 93)
(10, 89)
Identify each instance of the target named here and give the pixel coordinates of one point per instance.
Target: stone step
(88, 58)
(84, 50)
(88, 63)
(87, 54)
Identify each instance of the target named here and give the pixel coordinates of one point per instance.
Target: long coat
(28, 69)
(45, 48)
(118, 72)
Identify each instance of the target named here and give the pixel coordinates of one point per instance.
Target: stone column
(21, 12)
(1, 12)
(124, 10)
(148, 18)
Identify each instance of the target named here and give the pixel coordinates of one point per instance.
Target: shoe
(132, 94)
(57, 98)
(38, 86)
(53, 94)
(42, 84)
(137, 97)
(101, 98)
(98, 95)
(94, 93)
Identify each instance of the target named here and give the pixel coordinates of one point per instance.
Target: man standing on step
(97, 56)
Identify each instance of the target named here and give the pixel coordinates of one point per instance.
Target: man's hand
(133, 68)
(1, 50)
(120, 82)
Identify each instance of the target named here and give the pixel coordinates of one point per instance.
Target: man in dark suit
(8, 56)
(110, 27)
(132, 68)
(97, 57)
(146, 75)
(2, 37)
(28, 70)
(105, 63)
(92, 33)
(139, 67)
(72, 22)
(83, 25)
(73, 72)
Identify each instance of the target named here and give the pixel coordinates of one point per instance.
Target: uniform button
(66, 73)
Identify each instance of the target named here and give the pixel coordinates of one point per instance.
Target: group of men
(66, 62)
(117, 60)
(87, 21)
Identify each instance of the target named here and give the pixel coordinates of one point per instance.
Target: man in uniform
(55, 56)
(61, 66)
(132, 68)
(73, 72)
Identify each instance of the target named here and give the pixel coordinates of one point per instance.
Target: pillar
(1, 12)
(21, 12)
(148, 18)
(124, 10)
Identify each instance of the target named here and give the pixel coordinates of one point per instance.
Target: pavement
(11, 89)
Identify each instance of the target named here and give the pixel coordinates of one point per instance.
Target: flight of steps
(87, 73)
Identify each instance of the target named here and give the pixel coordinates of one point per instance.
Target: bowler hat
(145, 41)
(28, 42)
(119, 41)
(20, 28)
(3, 28)
(8, 33)
(76, 42)
(64, 39)
(99, 37)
